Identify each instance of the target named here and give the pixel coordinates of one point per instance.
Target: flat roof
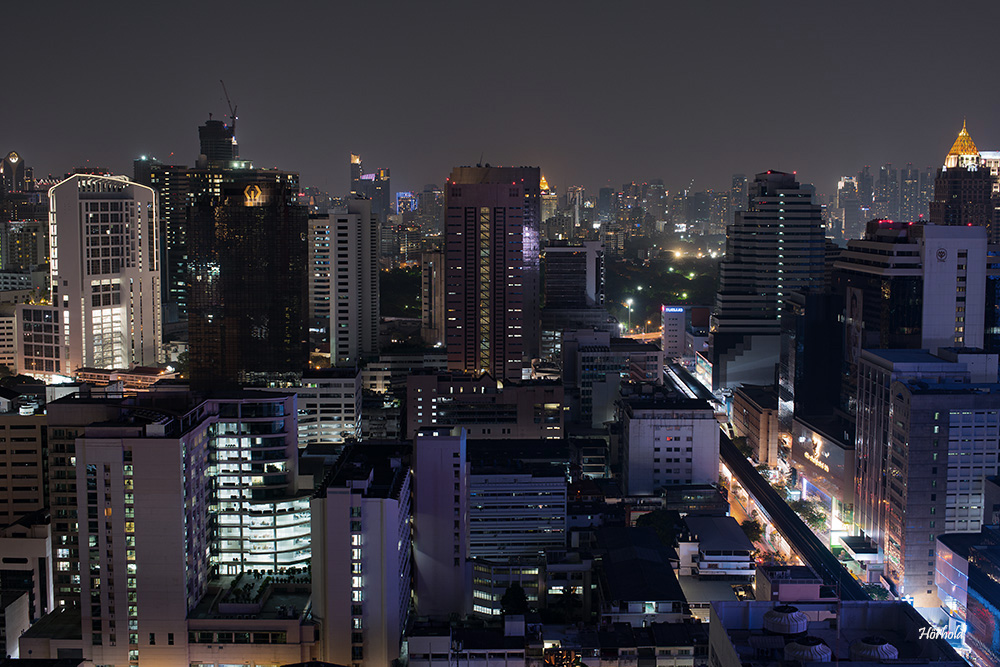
(636, 565)
(718, 533)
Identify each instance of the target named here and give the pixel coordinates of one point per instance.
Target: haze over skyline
(594, 94)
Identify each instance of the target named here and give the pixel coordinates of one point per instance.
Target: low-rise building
(715, 548)
(637, 585)
(486, 408)
(765, 633)
(755, 417)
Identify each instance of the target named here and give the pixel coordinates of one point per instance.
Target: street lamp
(629, 304)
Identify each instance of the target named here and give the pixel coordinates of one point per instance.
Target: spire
(964, 144)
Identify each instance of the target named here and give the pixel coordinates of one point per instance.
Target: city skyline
(672, 100)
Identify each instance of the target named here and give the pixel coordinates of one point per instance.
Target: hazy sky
(594, 93)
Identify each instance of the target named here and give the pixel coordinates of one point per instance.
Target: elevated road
(802, 540)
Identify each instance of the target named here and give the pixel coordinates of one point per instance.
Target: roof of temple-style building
(963, 152)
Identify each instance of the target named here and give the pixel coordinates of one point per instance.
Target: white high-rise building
(354, 286)
(104, 307)
(775, 247)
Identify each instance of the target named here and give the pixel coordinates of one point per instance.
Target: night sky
(594, 93)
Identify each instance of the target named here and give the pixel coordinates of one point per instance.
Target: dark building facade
(492, 269)
(964, 197)
(247, 272)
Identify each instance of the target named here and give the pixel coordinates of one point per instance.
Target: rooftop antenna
(481, 159)
(232, 109)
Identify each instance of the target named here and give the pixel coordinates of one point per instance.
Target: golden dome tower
(963, 152)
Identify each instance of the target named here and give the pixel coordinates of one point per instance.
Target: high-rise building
(866, 188)
(737, 196)
(432, 298)
(441, 522)
(248, 252)
(374, 186)
(774, 248)
(492, 269)
(218, 143)
(926, 439)
(354, 283)
(574, 275)
(174, 497)
(909, 193)
(361, 574)
(14, 175)
(105, 281)
(910, 286)
(850, 208)
(963, 189)
(173, 185)
(885, 203)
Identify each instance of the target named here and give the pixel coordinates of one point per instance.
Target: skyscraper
(963, 189)
(492, 269)
(737, 196)
(909, 193)
(774, 248)
(247, 271)
(374, 186)
(354, 283)
(105, 281)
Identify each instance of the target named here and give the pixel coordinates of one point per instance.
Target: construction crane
(232, 109)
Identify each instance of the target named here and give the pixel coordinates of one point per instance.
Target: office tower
(441, 522)
(926, 196)
(105, 281)
(850, 208)
(14, 175)
(492, 269)
(737, 196)
(430, 212)
(604, 204)
(809, 375)
(866, 188)
(247, 265)
(320, 254)
(549, 201)
(218, 144)
(923, 474)
(909, 193)
(963, 190)
(374, 186)
(354, 292)
(361, 583)
(881, 442)
(574, 275)
(885, 202)
(432, 298)
(774, 248)
(667, 439)
(173, 184)
(915, 286)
